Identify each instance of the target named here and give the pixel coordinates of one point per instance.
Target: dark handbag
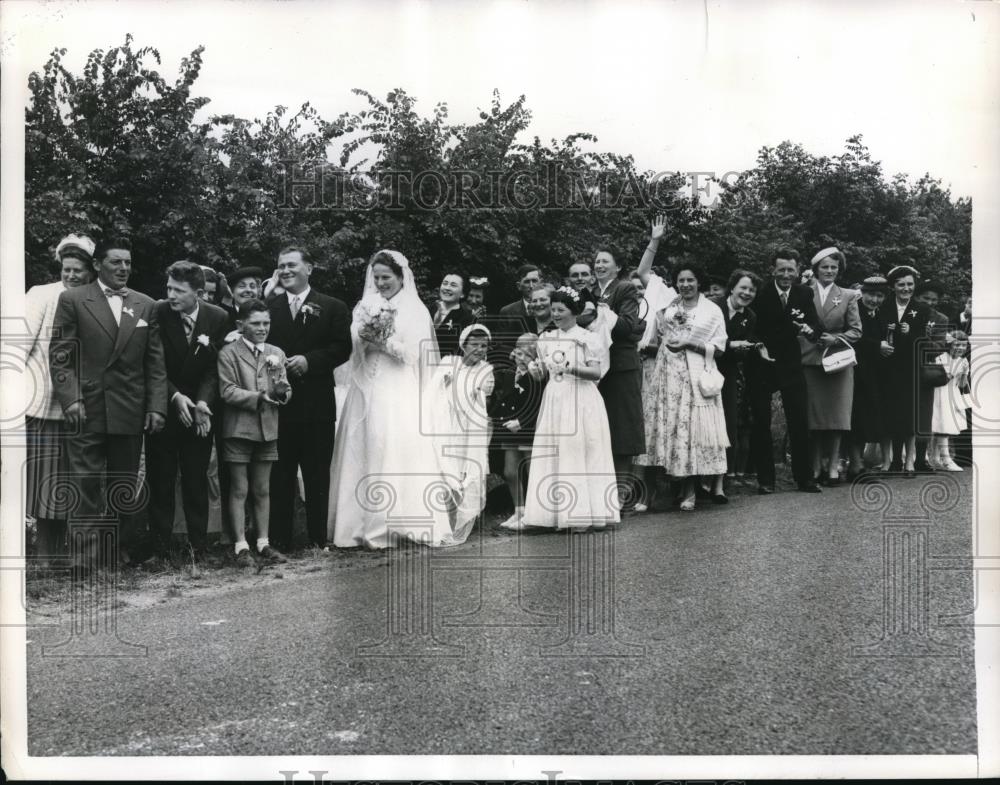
(934, 375)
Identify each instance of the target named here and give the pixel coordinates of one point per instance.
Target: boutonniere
(308, 310)
(796, 313)
(202, 340)
(272, 361)
(129, 311)
(449, 324)
(911, 313)
(837, 301)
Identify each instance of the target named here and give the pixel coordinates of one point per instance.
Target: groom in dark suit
(192, 331)
(785, 310)
(314, 331)
(109, 377)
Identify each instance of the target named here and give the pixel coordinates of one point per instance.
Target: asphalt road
(735, 630)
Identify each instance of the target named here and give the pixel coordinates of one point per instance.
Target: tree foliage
(119, 149)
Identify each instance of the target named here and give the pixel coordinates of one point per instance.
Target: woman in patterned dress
(688, 428)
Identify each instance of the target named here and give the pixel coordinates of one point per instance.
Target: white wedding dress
(387, 478)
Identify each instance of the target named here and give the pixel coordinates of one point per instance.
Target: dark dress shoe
(810, 487)
(923, 468)
(765, 490)
(720, 498)
(832, 482)
(272, 555)
(245, 559)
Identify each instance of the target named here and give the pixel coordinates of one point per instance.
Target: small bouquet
(278, 386)
(678, 324)
(378, 322)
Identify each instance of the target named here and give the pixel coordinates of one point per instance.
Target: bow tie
(116, 292)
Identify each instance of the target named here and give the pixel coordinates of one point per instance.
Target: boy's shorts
(236, 450)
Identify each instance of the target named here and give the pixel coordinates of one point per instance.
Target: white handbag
(841, 359)
(711, 380)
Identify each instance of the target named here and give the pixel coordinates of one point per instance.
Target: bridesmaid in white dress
(387, 472)
(571, 481)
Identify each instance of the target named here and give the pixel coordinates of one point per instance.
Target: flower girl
(465, 383)
(948, 418)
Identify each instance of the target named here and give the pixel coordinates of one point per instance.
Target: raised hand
(658, 227)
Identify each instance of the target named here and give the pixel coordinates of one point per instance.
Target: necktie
(784, 299)
(295, 306)
(188, 321)
(116, 293)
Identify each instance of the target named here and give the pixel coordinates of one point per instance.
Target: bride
(387, 479)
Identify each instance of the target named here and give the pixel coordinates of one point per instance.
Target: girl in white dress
(948, 417)
(387, 478)
(571, 482)
(465, 383)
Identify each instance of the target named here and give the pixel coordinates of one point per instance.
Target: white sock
(262, 543)
(241, 546)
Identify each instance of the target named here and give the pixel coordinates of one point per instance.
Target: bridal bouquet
(378, 322)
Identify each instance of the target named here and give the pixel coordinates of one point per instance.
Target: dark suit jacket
(116, 370)
(191, 368)
(324, 339)
(623, 298)
(515, 321)
(776, 330)
(448, 332)
(742, 327)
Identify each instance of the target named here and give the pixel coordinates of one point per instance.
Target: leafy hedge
(117, 149)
